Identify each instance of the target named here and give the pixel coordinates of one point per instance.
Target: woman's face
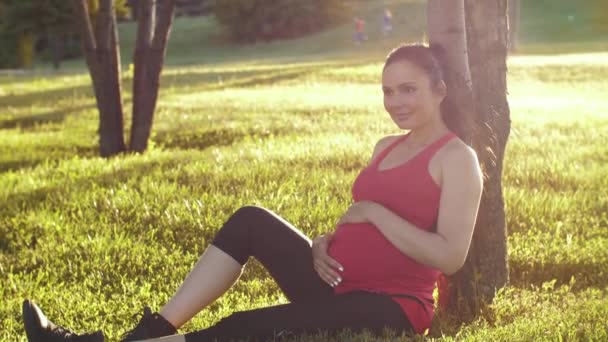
(409, 97)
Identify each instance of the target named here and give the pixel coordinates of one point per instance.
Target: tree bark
(473, 36)
(90, 47)
(486, 268)
(103, 60)
(514, 19)
(149, 59)
(111, 122)
(145, 32)
(446, 30)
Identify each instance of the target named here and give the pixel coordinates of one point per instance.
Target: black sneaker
(39, 329)
(151, 325)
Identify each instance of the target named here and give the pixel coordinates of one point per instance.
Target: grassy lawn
(288, 125)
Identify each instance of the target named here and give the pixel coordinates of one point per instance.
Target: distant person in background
(387, 26)
(411, 218)
(360, 36)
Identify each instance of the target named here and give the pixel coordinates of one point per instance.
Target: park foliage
(262, 20)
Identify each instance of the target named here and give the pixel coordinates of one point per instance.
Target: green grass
(286, 125)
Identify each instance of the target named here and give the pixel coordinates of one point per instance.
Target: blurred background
(278, 103)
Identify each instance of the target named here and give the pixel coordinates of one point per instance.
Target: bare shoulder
(460, 160)
(383, 143)
(458, 149)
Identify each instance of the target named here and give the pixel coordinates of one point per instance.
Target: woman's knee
(256, 223)
(254, 216)
(243, 220)
(250, 212)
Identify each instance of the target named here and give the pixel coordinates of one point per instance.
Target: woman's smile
(402, 116)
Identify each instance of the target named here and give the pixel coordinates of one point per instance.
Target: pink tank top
(373, 263)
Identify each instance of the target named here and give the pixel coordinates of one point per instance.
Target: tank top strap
(389, 148)
(430, 151)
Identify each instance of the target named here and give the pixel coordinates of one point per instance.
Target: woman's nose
(397, 102)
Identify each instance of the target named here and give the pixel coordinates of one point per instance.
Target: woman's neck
(427, 134)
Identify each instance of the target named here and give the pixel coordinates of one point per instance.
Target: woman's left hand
(356, 213)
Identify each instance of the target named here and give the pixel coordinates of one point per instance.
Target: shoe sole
(31, 322)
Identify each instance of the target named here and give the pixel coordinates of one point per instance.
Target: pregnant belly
(366, 255)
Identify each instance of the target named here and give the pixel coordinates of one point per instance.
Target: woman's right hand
(326, 267)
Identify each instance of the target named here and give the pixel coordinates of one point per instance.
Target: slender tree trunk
(25, 43)
(103, 59)
(90, 48)
(56, 45)
(145, 32)
(111, 124)
(447, 36)
(514, 15)
(151, 47)
(486, 268)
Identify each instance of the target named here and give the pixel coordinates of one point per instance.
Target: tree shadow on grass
(16, 165)
(57, 153)
(216, 80)
(212, 79)
(48, 96)
(203, 139)
(198, 139)
(589, 272)
(56, 116)
(222, 79)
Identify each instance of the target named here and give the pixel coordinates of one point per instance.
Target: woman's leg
(213, 274)
(251, 231)
(355, 311)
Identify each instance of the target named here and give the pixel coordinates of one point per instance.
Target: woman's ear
(441, 89)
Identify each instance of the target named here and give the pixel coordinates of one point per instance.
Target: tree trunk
(103, 59)
(151, 46)
(477, 83)
(447, 36)
(25, 42)
(111, 122)
(56, 45)
(514, 15)
(486, 268)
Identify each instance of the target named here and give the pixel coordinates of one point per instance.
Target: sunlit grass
(94, 240)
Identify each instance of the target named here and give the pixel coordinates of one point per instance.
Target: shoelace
(62, 332)
(67, 334)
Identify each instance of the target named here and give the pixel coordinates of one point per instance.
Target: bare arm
(446, 249)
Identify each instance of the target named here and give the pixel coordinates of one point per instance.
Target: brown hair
(429, 60)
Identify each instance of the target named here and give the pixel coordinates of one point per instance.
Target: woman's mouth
(402, 116)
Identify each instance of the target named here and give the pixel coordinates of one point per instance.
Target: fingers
(328, 274)
(333, 263)
(320, 252)
(326, 266)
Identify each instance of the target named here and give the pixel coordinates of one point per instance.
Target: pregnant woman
(412, 217)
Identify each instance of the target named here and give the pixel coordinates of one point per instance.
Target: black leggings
(287, 255)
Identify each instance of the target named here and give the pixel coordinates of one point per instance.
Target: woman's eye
(387, 92)
(409, 89)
